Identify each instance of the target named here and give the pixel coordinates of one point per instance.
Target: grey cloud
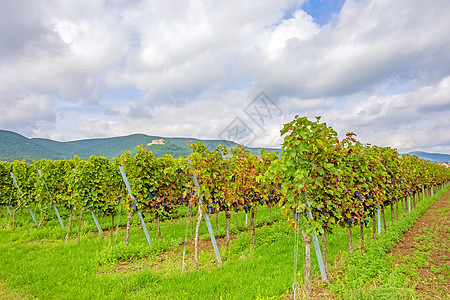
(199, 64)
(25, 112)
(398, 120)
(24, 31)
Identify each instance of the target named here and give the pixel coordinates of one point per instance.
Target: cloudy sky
(231, 69)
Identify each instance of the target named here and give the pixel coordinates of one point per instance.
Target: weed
(372, 275)
(446, 269)
(436, 270)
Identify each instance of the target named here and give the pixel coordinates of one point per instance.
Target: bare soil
(429, 238)
(433, 280)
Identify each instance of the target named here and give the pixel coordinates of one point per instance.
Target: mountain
(14, 146)
(433, 157)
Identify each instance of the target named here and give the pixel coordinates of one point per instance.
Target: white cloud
(373, 42)
(412, 120)
(198, 64)
(62, 48)
(26, 111)
(298, 28)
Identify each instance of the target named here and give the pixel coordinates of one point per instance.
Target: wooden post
(208, 224)
(133, 203)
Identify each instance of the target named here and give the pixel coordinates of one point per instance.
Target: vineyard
(334, 193)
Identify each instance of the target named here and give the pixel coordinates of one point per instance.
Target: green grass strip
(371, 274)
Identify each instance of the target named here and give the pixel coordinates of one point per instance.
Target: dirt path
(424, 251)
(423, 255)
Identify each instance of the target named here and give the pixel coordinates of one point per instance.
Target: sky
(234, 69)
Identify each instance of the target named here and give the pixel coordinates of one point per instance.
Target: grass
(41, 263)
(372, 275)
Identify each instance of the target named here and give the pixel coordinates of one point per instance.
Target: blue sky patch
(322, 11)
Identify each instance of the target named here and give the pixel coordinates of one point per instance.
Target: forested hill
(14, 146)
